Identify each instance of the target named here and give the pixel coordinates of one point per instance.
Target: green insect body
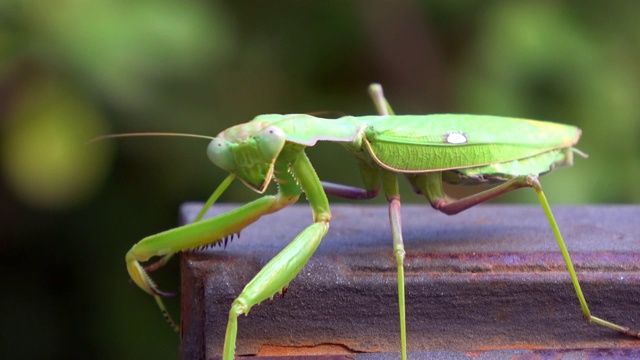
(428, 150)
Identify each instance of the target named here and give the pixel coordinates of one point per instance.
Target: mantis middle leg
(371, 176)
(390, 185)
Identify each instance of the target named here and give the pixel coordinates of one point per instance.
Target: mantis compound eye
(270, 141)
(220, 155)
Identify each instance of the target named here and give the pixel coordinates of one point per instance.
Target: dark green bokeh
(71, 70)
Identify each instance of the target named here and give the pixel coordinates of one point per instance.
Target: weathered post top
(489, 279)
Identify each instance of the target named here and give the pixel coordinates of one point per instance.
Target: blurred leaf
(125, 48)
(44, 153)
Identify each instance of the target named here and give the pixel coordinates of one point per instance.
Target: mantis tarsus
(429, 150)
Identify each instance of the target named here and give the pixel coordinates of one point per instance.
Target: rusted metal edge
(512, 354)
(489, 282)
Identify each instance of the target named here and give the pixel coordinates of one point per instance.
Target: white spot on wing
(456, 138)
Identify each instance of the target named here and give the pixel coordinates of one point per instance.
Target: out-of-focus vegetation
(72, 70)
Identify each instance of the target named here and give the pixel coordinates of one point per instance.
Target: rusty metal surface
(484, 282)
(511, 354)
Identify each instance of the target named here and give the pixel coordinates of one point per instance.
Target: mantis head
(249, 151)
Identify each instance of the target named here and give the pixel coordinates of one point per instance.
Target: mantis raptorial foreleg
(186, 237)
(273, 278)
(192, 236)
(212, 199)
(277, 274)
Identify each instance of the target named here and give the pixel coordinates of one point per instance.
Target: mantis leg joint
(533, 181)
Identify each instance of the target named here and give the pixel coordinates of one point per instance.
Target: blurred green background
(72, 70)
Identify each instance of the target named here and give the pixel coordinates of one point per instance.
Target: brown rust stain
(320, 349)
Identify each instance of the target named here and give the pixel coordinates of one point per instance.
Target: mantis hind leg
(430, 185)
(535, 184)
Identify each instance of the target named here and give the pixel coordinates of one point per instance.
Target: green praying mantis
(428, 150)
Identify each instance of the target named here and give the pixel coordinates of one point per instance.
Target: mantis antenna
(141, 134)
